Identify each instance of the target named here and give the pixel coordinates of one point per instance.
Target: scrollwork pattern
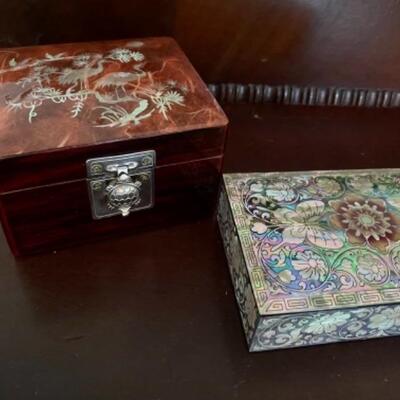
(325, 233)
(326, 327)
(237, 266)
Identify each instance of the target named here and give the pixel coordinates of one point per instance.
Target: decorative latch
(119, 185)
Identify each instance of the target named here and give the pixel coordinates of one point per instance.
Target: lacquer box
(314, 256)
(103, 138)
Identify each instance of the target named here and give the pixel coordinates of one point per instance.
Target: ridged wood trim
(228, 93)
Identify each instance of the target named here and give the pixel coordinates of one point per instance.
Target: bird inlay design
(115, 88)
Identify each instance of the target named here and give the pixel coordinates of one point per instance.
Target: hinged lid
(69, 96)
(319, 240)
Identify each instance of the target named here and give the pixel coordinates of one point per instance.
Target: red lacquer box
(102, 138)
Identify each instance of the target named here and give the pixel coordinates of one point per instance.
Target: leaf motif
(173, 96)
(281, 191)
(77, 108)
(308, 209)
(285, 215)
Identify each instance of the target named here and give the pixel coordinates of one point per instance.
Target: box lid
(319, 240)
(71, 95)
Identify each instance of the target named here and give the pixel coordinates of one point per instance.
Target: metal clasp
(119, 185)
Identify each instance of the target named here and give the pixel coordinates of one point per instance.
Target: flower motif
(304, 224)
(125, 55)
(165, 101)
(371, 268)
(269, 334)
(310, 265)
(388, 184)
(327, 323)
(361, 183)
(387, 319)
(81, 60)
(366, 221)
(281, 190)
(325, 187)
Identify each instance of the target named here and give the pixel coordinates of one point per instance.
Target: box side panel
(8, 232)
(66, 165)
(56, 216)
(323, 327)
(237, 267)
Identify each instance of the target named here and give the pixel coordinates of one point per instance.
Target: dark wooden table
(153, 316)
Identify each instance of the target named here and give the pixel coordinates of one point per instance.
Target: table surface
(153, 316)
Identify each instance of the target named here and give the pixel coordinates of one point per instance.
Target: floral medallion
(366, 220)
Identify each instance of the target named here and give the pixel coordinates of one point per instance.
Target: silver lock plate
(119, 185)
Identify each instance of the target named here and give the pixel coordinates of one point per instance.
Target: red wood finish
(60, 166)
(56, 216)
(64, 104)
(74, 95)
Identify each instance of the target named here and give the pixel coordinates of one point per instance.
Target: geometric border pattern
(237, 267)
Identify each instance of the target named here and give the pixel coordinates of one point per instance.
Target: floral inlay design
(327, 323)
(325, 233)
(115, 88)
(240, 278)
(366, 220)
(389, 318)
(326, 327)
(322, 253)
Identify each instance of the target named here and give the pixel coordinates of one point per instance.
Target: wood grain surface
(68, 165)
(52, 217)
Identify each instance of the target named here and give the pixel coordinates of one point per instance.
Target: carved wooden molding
(228, 93)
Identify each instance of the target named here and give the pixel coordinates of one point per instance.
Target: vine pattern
(326, 327)
(326, 233)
